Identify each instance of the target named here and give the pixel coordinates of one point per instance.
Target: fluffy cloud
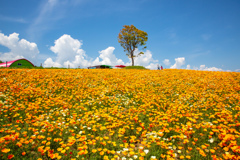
(108, 58)
(18, 48)
(152, 66)
(66, 48)
(188, 66)
(145, 60)
(166, 62)
(49, 63)
(179, 62)
(69, 52)
(204, 68)
(237, 70)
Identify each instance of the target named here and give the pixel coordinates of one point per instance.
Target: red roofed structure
(120, 66)
(17, 63)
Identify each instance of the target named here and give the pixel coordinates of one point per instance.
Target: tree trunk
(132, 56)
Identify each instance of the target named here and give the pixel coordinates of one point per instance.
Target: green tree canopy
(131, 38)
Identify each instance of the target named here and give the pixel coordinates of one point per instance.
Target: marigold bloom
(10, 156)
(5, 150)
(101, 153)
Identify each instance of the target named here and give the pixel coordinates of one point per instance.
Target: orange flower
(141, 158)
(23, 153)
(204, 147)
(94, 150)
(163, 156)
(5, 150)
(101, 153)
(10, 156)
(212, 150)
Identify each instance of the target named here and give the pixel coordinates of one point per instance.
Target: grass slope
(135, 67)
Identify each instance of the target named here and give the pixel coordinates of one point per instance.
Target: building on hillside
(100, 67)
(17, 63)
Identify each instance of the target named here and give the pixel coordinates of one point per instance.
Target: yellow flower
(5, 150)
(63, 151)
(94, 150)
(212, 150)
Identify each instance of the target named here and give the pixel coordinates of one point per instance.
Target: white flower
(123, 158)
(146, 151)
(135, 156)
(80, 132)
(153, 157)
(141, 147)
(211, 140)
(179, 151)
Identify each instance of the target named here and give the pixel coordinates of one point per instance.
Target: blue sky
(192, 34)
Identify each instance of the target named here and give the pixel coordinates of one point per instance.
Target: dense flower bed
(119, 114)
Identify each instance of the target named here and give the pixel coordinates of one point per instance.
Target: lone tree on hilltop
(131, 38)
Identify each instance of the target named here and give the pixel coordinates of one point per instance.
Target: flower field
(119, 114)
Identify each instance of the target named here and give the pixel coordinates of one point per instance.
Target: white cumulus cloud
(49, 63)
(166, 62)
(145, 60)
(107, 57)
(204, 68)
(179, 62)
(18, 48)
(66, 48)
(69, 52)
